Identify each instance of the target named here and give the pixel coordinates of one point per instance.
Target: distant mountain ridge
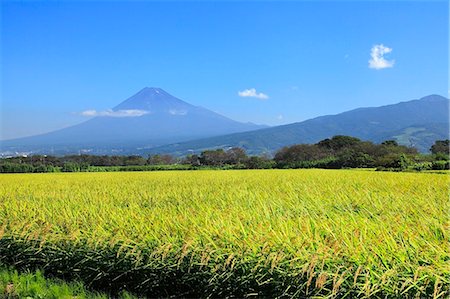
(162, 123)
(160, 119)
(415, 123)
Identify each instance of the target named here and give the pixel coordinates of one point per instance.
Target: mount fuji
(152, 117)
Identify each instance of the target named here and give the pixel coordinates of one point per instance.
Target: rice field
(270, 233)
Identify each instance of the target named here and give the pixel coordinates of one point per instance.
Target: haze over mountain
(415, 123)
(149, 118)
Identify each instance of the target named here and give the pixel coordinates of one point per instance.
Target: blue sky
(302, 58)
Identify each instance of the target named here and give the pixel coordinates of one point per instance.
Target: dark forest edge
(335, 153)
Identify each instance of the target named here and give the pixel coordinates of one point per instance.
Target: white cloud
(251, 93)
(280, 117)
(377, 60)
(89, 113)
(177, 112)
(117, 113)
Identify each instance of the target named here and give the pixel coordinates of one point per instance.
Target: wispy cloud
(177, 112)
(251, 93)
(117, 113)
(377, 60)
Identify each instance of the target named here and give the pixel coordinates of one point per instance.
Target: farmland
(232, 233)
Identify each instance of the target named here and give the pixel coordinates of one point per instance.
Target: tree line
(350, 152)
(331, 153)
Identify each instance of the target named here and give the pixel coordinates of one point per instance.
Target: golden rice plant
(273, 233)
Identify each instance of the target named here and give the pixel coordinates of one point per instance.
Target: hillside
(415, 123)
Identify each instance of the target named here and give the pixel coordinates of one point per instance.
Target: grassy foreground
(243, 233)
(35, 285)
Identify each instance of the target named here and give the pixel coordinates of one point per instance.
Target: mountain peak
(152, 99)
(152, 90)
(434, 98)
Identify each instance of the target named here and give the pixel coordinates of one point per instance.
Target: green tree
(339, 142)
(441, 146)
(390, 143)
(235, 155)
(213, 157)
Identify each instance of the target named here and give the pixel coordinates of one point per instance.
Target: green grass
(35, 285)
(294, 233)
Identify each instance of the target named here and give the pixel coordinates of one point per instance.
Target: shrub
(440, 165)
(421, 166)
